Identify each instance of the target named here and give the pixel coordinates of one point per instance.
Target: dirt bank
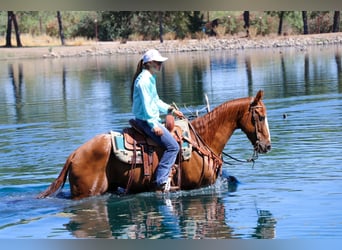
(230, 43)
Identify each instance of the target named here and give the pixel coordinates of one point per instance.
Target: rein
(255, 153)
(252, 159)
(206, 150)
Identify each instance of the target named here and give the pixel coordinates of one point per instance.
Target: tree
(89, 26)
(246, 20)
(116, 24)
(160, 14)
(336, 25)
(178, 22)
(60, 26)
(305, 22)
(9, 29)
(319, 22)
(12, 18)
(195, 21)
(280, 27)
(281, 15)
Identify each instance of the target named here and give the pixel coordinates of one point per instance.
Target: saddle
(133, 146)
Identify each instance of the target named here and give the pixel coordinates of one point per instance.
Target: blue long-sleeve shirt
(147, 105)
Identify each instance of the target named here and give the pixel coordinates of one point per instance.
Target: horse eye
(261, 118)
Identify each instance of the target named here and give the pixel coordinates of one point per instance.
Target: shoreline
(172, 46)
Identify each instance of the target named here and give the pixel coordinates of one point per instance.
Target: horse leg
(87, 175)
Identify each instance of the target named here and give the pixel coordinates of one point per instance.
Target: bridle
(256, 121)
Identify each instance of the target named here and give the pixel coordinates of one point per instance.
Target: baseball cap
(153, 55)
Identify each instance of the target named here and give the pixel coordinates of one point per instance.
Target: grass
(28, 40)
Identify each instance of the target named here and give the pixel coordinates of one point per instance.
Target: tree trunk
(280, 27)
(161, 27)
(305, 22)
(16, 28)
(336, 25)
(246, 20)
(9, 29)
(60, 25)
(12, 18)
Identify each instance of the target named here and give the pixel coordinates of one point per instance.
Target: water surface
(50, 107)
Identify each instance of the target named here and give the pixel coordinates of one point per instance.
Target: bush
(230, 23)
(51, 29)
(86, 27)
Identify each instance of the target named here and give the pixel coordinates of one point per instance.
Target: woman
(147, 108)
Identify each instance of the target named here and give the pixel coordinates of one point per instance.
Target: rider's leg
(170, 154)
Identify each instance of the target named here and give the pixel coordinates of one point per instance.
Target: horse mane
(226, 113)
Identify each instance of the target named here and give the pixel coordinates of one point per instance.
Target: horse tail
(59, 182)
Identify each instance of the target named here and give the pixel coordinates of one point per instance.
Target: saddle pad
(121, 152)
(186, 147)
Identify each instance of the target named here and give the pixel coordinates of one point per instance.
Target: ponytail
(137, 72)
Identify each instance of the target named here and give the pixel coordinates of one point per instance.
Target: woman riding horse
(146, 107)
(93, 168)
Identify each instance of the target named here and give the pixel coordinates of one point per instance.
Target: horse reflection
(265, 228)
(148, 217)
(90, 219)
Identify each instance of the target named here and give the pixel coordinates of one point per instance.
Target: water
(50, 107)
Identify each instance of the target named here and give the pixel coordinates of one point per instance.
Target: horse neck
(217, 126)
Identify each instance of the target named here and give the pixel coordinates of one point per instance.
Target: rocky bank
(301, 42)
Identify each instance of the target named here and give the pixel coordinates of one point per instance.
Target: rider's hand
(178, 113)
(158, 131)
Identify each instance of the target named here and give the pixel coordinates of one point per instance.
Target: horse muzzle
(262, 148)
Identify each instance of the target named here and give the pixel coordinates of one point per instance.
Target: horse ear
(258, 97)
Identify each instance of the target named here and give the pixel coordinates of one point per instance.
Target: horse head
(254, 123)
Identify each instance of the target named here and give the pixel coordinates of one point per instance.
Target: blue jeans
(170, 154)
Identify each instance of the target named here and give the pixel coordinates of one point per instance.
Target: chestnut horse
(94, 170)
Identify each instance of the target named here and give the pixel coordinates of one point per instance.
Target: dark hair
(140, 67)
(137, 72)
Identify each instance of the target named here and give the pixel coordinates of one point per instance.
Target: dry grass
(170, 36)
(44, 40)
(220, 31)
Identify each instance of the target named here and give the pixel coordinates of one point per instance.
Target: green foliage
(146, 24)
(3, 22)
(262, 25)
(177, 22)
(87, 26)
(122, 25)
(125, 25)
(294, 18)
(320, 21)
(230, 23)
(115, 24)
(195, 21)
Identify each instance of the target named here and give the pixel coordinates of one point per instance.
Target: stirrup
(168, 185)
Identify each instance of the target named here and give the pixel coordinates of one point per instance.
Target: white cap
(153, 55)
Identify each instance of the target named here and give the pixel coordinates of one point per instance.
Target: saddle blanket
(128, 145)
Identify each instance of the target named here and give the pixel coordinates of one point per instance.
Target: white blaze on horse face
(268, 129)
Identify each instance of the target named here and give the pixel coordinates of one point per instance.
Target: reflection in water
(248, 65)
(105, 81)
(16, 78)
(158, 216)
(339, 70)
(307, 73)
(49, 107)
(265, 228)
(283, 73)
(90, 220)
(64, 77)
